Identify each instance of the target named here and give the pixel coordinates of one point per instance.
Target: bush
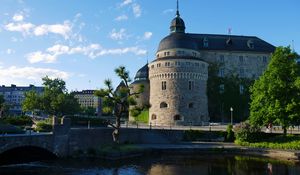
(43, 126)
(83, 121)
(229, 134)
(245, 132)
(18, 120)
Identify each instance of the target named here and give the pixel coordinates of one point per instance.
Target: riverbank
(191, 149)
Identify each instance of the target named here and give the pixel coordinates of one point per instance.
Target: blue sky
(82, 42)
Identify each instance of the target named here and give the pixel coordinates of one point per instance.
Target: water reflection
(159, 165)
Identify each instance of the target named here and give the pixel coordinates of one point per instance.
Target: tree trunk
(116, 132)
(284, 130)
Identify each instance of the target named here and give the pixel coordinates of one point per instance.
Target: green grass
(289, 142)
(143, 117)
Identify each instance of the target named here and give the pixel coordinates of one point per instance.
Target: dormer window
(250, 44)
(205, 42)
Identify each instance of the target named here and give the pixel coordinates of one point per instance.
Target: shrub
(43, 126)
(83, 121)
(229, 134)
(245, 132)
(18, 120)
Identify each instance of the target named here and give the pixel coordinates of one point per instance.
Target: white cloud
(137, 11)
(147, 35)
(27, 28)
(118, 35)
(121, 18)
(24, 28)
(60, 29)
(23, 74)
(126, 2)
(92, 51)
(18, 17)
(10, 51)
(168, 11)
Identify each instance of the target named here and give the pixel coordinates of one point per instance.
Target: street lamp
(231, 112)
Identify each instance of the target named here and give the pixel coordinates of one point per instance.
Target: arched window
(191, 105)
(153, 117)
(163, 105)
(177, 117)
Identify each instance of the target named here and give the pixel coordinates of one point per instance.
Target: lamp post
(231, 112)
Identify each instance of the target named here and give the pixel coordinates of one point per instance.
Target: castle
(176, 81)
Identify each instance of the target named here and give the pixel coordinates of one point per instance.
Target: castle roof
(142, 73)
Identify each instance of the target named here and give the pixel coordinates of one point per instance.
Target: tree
(89, 111)
(120, 98)
(226, 92)
(275, 96)
(2, 105)
(55, 99)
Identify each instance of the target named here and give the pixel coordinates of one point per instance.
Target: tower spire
(177, 9)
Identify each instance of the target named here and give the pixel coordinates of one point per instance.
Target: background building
(14, 96)
(86, 98)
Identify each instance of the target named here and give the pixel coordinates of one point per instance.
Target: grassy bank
(289, 142)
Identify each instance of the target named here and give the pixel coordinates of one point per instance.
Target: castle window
(191, 85)
(152, 67)
(180, 52)
(167, 53)
(221, 72)
(241, 58)
(163, 85)
(188, 63)
(177, 117)
(157, 55)
(153, 117)
(203, 65)
(167, 64)
(221, 88)
(222, 58)
(158, 65)
(163, 105)
(264, 59)
(242, 72)
(191, 105)
(194, 54)
(241, 89)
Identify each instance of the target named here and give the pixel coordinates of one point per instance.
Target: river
(157, 165)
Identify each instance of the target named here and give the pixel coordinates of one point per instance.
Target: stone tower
(178, 79)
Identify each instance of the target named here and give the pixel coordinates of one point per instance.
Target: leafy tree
(120, 98)
(225, 92)
(2, 104)
(90, 111)
(275, 96)
(4, 107)
(55, 99)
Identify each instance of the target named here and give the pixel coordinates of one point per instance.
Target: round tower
(178, 79)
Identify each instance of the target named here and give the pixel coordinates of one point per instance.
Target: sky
(83, 41)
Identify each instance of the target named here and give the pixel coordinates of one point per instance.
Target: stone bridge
(65, 141)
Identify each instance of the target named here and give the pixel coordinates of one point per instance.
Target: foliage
(118, 99)
(140, 114)
(290, 142)
(221, 99)
(18, 120)
(10, 129)
(198, 135)
(246, 132)
(229, 134)
(120, 148)
(43, 126)
(275, 96)
(89, 111)
(4, 107)
(83, 121)
(55, 100)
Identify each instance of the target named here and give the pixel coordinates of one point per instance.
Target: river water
(157, 165)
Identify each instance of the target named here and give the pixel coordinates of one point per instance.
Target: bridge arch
(25, 153)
